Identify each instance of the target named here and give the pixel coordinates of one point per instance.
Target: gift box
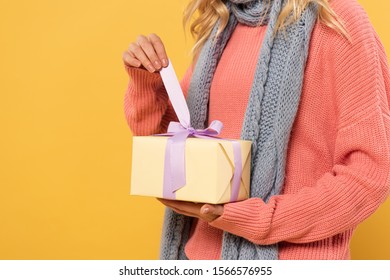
(209, 169)
(190, 164)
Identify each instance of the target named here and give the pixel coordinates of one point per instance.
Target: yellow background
(64, 143)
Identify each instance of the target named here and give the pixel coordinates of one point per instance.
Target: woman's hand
(146, 52)
(206, 212)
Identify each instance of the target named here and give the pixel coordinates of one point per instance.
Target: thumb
(212, 209)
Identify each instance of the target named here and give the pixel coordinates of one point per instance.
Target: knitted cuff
(143, 81)
(249, 219)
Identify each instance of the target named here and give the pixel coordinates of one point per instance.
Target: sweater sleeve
(358, 182)
(146, 103)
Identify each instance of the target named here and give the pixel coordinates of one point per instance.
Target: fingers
(150, 60)
(183, 205)
(212, 209)
(189, 214)
(160, 49)
(206, 212)
(138, 53)
(147, 52)
(130, 60)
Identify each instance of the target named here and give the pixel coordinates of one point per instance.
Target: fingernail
(151, 68)
(164, 62)
(206, 210)
(158, 65)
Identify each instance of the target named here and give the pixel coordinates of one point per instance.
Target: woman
(307, 81)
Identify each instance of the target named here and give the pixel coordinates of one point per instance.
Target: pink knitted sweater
(338, 161)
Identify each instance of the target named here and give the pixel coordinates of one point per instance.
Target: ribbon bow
(174, 161)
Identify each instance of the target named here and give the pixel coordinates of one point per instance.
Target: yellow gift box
(209, 169)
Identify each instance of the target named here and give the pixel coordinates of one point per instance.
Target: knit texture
(269, 115)
(338, 157)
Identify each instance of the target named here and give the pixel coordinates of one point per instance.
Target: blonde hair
(209, 11)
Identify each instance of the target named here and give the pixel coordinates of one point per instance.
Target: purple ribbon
(174, 161)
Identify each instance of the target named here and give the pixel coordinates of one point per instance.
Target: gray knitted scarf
(270, 113)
